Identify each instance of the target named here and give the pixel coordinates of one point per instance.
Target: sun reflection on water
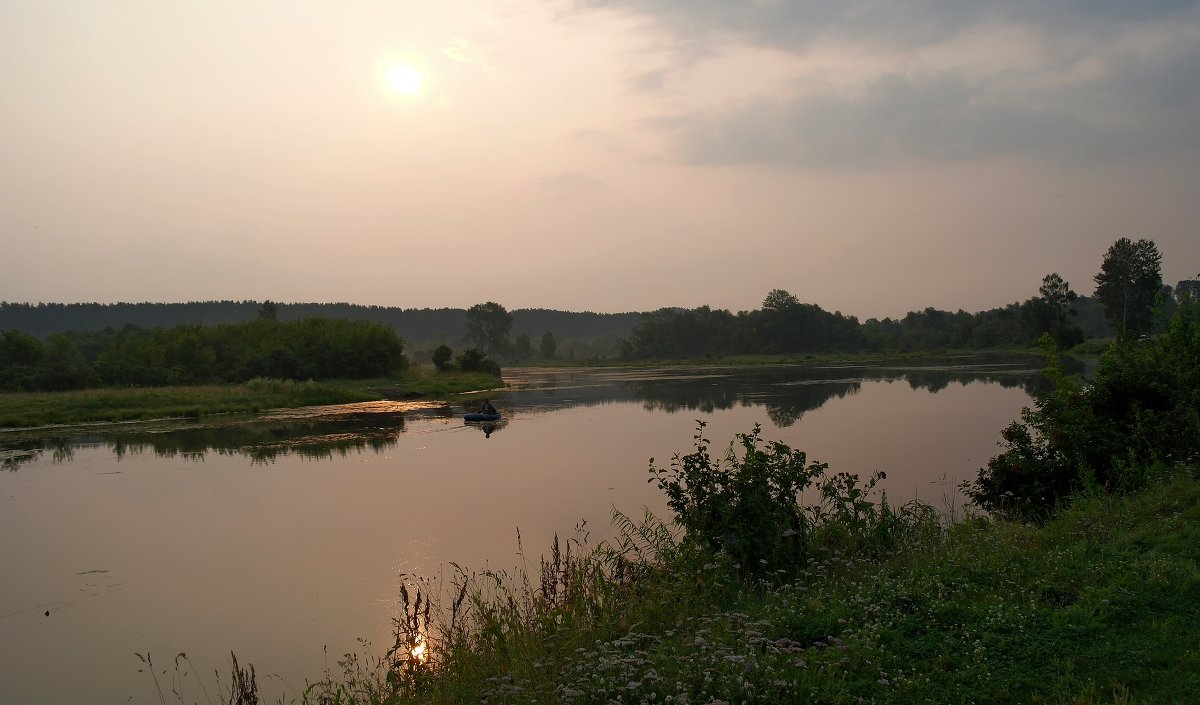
(419, 650)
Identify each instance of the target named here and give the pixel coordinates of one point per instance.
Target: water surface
(277, 537)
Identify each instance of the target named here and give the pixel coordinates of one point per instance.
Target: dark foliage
(488, 325)
(591, 334)
(747, 506)
(1129, 281)
(441, 358)
(311, 348)
(785, 326)
(474, 360)
(1142, 408)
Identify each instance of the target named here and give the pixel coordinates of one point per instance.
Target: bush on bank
(1136, 417)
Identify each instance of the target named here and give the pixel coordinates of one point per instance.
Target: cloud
(943, 117)
(794, 24)
(1096, 80)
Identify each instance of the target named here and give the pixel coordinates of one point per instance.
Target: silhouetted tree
(779, 300)
(1050, 312)
(1188, 288)
(487, 327)
(269, 310)
(1130, 279)
(549, 346)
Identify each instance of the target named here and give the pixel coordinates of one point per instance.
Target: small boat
(481, 416)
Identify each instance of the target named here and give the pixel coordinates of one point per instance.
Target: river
(286, 538)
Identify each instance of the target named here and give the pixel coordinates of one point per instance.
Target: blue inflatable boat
(480, 416)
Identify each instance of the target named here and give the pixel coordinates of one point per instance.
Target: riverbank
(29, 409)
(814, 360)
(1099, 605)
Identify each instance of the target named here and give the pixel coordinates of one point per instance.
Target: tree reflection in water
(785, 392)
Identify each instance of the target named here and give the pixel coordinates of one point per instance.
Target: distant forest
(579, 335)
(669, 332)
(784, 325)
(62, 346)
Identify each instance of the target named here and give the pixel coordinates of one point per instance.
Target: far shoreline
(29, 411)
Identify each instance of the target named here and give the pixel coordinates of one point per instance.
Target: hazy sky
(870, 156)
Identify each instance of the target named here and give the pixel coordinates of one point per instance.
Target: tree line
(422, 328)
(311, 348)
(1129, 291)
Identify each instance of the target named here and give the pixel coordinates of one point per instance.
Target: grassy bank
(1100, 605)
(26, 409)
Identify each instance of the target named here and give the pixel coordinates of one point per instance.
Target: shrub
(747, 506)
(1141, 409)
(474, 360)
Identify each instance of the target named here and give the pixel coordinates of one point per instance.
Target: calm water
(284, 539)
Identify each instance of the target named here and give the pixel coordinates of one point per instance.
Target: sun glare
(405, 79)
(419, 650)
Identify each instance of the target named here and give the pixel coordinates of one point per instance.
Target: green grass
(28, 409)
(1100, 605)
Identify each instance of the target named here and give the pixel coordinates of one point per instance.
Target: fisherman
(488, 408)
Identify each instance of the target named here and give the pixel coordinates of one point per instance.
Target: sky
(869, 156)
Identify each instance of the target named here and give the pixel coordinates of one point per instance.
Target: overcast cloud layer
(1075, 82)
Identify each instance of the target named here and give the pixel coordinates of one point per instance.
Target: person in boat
(487, 408)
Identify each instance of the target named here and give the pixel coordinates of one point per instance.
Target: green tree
(20, 354)
(63, 366)
(487, 327)
(441, 357)
(17, 348)
(549, 346)
(1130, 279)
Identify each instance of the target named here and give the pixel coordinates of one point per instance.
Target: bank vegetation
(1073, 578)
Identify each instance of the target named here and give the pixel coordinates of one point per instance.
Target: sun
(405, 79)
